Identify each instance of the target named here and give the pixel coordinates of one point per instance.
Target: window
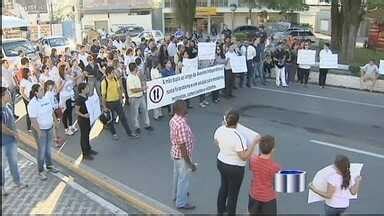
(202, 3)
(12, 49)
(55, 42)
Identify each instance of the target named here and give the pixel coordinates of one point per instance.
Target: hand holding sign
(381, 68)
(206, 51)
(306, 57)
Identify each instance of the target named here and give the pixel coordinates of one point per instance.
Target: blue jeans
(259, 71)
(9, 150)
(330, 211)
(44, 149)
(181, 178)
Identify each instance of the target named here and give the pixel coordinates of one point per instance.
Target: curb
(138, 200)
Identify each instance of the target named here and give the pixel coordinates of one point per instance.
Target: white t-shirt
(42, 110)
(230, 143)
(54, 74)
(27, 85)
(7, 78)
(340, 198)
(51, 96)
(371, 69)
(45, 77)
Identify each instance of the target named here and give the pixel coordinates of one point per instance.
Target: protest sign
(190, 65)
(206, 50)
(249, 135)
(320, 180)
(93, 107)
(306, 57)
(238, 64)
(165, 91)
(381, 67)
(329, 61)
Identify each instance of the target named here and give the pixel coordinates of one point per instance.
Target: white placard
(329, 61)
(306, 57)
(93, 107)
(249, 135)
(206, 50)
(381, 67)
(190, 66)
(165, 91)
(238, 64)
(320, 180)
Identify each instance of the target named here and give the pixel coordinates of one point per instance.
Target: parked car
(298, 33)
(10, 49)
(249, 30)
(127, 30)
(57, 42)
(156, 34)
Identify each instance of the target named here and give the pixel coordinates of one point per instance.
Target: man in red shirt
(181, 153)
(262, 197)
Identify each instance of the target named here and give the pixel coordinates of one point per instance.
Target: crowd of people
(55, 86)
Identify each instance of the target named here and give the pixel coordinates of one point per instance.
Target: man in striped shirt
(262, 197)
(181, 152)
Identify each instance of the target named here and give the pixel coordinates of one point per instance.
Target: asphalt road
(296, 116)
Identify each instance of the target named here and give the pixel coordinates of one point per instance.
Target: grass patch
(363, 55)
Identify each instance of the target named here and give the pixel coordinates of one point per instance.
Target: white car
(57, 42)
(10, 49)
(155, 34)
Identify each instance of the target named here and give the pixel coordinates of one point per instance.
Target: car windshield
(55, 42)
(157, 34)
(11, 49)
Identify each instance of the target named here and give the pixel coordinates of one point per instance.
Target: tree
(283, 5)
(185, 11)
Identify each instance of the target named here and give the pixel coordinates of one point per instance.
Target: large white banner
(329, 61)
(381, 67)
(93, 107)
(306, 57)
(190, 65)
(320, 180)
(165, 91)
(238, 64)
(206, 50)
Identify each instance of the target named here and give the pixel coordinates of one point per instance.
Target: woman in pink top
(340, 186)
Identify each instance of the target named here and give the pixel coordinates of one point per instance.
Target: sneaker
(202, 105)
(206, 102)
(133, 135)
(138, 131)
(52, 169)
(93, 152)
(149, 128)
(88, 157)
(29, 131)
(42, 176)
(68, 132)
(115, 137)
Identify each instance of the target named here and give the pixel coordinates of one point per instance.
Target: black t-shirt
(80, 101)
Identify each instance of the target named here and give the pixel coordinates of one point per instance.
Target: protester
(40, 110)
(172, 47)
(258, 60)
(94, 75)
(228, 74)
(95, 48)
(182, 141)
(8, 81)
(84, 121)
(340, 186)
(111, 92)
(370, 72)
(324, 71)
(155, 74)
(303, 72)
(231, 161)
(137, 99)
(262, 196)
(280, 57)
(226, 32)
(249, 52)
(25, 89)
(9, 137)
(220, 59)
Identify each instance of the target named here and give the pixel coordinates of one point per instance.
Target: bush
(355, 69)
(240, 36)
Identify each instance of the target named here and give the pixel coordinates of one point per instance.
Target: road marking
(322, 97)
(348, 149)
(69, 181)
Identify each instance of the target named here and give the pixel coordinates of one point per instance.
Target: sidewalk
(57, 195)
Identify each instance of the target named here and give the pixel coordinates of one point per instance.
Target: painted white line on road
(322, 97)
(348, 149)
(69, 180)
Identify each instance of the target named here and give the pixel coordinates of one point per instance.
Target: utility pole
(51, 22)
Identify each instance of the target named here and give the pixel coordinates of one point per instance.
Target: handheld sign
(189, 66)
(238, 64)
(93, 107)
(306, 57)
(329, 61)
(381, 68)
(206, 50)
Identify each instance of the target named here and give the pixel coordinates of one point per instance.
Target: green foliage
(355, 69)
(283, 5)
(185, 11)
(363, 55)
(240, 36)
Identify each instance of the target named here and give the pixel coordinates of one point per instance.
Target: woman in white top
(231, 161)
(229, 76)
(66, 94)
(340, 186)
(25, 89)
(303, 72)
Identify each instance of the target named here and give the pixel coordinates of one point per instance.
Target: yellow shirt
(113, 91)
(133, 82)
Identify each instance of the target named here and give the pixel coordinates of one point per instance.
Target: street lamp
(233, 8)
